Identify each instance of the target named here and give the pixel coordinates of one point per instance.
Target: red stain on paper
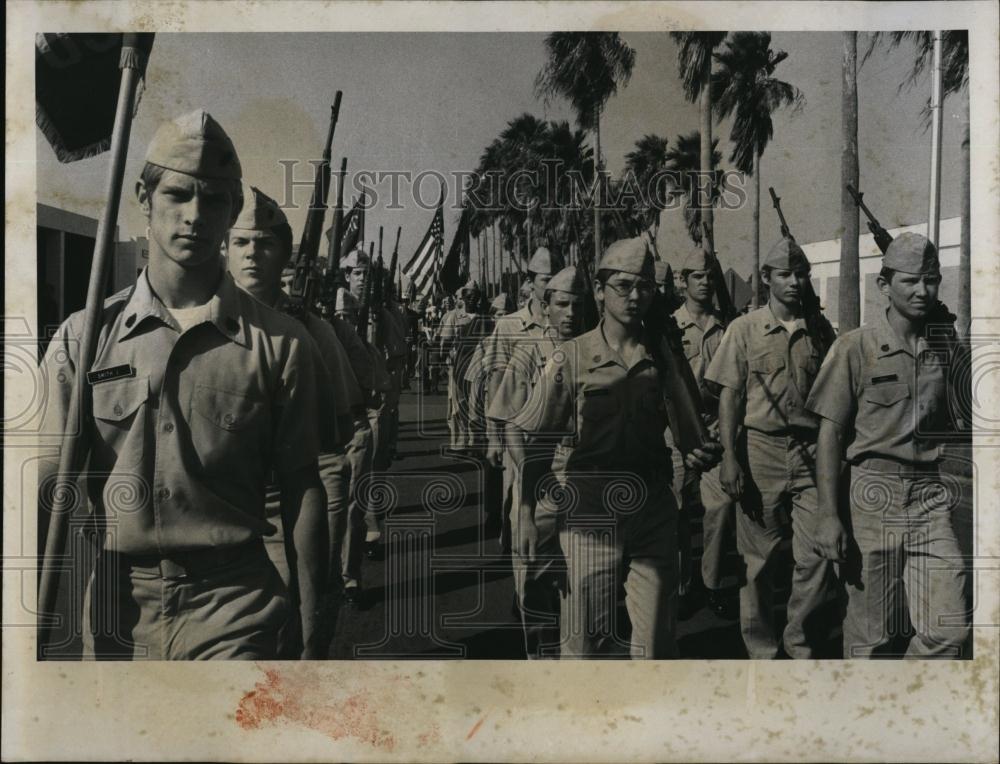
(475, 727)
(298, 700)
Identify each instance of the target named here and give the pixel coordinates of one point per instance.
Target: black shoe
(722, 605)
(352, 596)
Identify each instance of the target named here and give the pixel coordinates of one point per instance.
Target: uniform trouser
(157, 612)
(388, 415)
(537, 583)
(459, 426)
(637, 550)
(694, 491)
(903, 546)
(780, 497)
(362, 457)
(344, 514)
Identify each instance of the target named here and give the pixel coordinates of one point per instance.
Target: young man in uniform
(537, 581)
(883, 396)
(198, 392)
(602, 396)
(527, 323)
(766, 365)
(375, 384)
(703, 329)
(458, 336)
(258, 247)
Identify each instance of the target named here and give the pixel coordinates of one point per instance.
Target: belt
(892, 466)
(189, 563)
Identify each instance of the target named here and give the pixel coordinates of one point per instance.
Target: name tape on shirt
(112, 372)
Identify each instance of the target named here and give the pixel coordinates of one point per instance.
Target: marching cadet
(883, 398)
(524, 293)
(499, 305)
(458, 336)
(526, 323)
(698, 319)
(537, 581)
(375, 382)
(395, 347)
(198, 392)
(411, 321)
(766, 365)
(258, 247)
(602, 396)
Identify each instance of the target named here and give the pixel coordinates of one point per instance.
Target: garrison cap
(661, 268)
(357, 259)
(471, 286)
(568, 280)
(259, 212)
(629, 256)
(195, 144)
(697, 260)
(911, 253)
(543, 262)
(786, 255)
(345, 301)
(499, 302)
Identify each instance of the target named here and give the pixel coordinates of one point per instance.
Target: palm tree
(684, 162)
(954, 79)
(744, 87)
(695, 61)
(646, 164)
(849, 308)
(586, 68)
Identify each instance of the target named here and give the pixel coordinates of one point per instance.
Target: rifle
(820, 331)
(332, 280)
(882, 237)
(390, 275)
(304, 287)
(588, 271)
(378, 302)
(727, 310)
(366, 301)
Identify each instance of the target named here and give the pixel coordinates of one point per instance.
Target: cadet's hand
(494, 454)
(831, 539)
(704, 458)
(527, 539)
(731, 476)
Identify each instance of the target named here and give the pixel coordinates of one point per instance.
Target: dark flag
(77, 79)
(354, 228)
(455, 269)
(424, 267)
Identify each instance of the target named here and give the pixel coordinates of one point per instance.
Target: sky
(431, 102)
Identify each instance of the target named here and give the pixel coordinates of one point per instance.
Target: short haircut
(283, 233)
(603, 274)
(887, 274)
(152, 174)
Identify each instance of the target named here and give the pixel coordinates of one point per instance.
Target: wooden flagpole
(73, 450)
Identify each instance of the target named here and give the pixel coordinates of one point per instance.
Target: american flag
(354, 228)
(423, 268)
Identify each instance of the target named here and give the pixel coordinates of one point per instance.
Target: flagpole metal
(934, 200)
(73, 449)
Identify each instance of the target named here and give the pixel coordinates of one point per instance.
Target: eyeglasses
(624, 288)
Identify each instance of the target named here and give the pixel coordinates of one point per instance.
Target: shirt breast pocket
(227, 426)
(119, 416)
(767, 368)
(887, 395)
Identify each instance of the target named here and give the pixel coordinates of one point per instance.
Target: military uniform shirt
(357, 353)
(883, 395)
(393, 333)
(771, 368)
(526, 365)
(608, 413)
(700, 345)
(180, 452)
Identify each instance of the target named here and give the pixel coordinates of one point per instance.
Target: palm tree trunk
(964, 308)
(599, 181)
(756, 231)
(849, 310)
(705, 204)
